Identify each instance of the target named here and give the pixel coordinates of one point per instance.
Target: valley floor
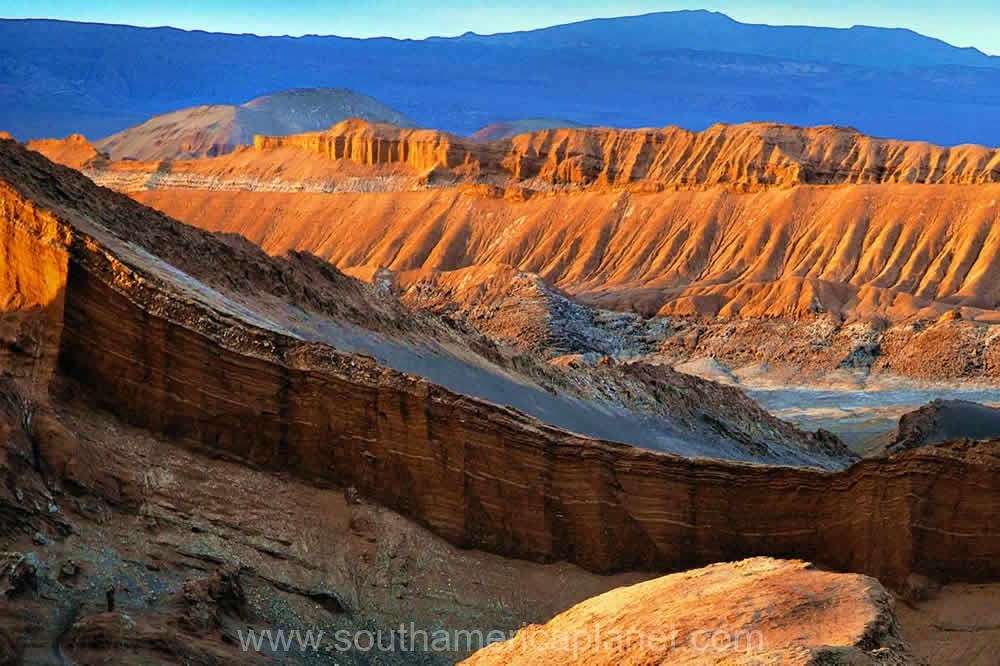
(857, 406)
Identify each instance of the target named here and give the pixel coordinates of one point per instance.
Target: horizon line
(492, 34)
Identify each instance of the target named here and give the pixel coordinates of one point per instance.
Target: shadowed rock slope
(939, 421)
(508, 128)
(193, 361)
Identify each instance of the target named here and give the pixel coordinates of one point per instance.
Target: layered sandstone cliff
(753, 156)
(193, 364)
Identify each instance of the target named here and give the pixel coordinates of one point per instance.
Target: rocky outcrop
(521, 310)
(797, 615)
(190, 364)
(746, 157)
(942, 421)
(374, 144)
(74, 151)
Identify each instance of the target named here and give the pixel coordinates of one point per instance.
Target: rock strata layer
(747, 157)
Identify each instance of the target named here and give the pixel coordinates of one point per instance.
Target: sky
(961, 22)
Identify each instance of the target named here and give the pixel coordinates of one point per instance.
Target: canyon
(128, 334)
(752, 251)
(662, 339)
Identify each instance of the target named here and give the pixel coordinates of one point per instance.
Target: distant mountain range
(691, 68)
(508, 128)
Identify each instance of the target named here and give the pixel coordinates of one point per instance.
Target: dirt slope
(892, 251)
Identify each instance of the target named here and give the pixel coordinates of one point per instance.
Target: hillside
(215, 130)
(691, 69)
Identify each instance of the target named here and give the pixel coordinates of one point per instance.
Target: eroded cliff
(752, 156)
(896, 252)
(198, 367)
(908, 232)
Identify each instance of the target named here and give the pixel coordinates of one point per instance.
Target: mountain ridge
(694, 21)
(461, 85)
(749, 156)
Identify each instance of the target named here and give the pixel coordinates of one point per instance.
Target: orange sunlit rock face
(746, 157)
(798, 615)
(754, 230)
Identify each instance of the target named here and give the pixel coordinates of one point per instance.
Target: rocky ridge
(749, 157)
(940, 421)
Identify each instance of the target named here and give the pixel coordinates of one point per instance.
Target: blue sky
(962, 22)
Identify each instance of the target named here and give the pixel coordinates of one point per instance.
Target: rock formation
(748, 157)
(194, 362)
(74, 151)
(942, 421)
(894, 277)
(799, 615)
